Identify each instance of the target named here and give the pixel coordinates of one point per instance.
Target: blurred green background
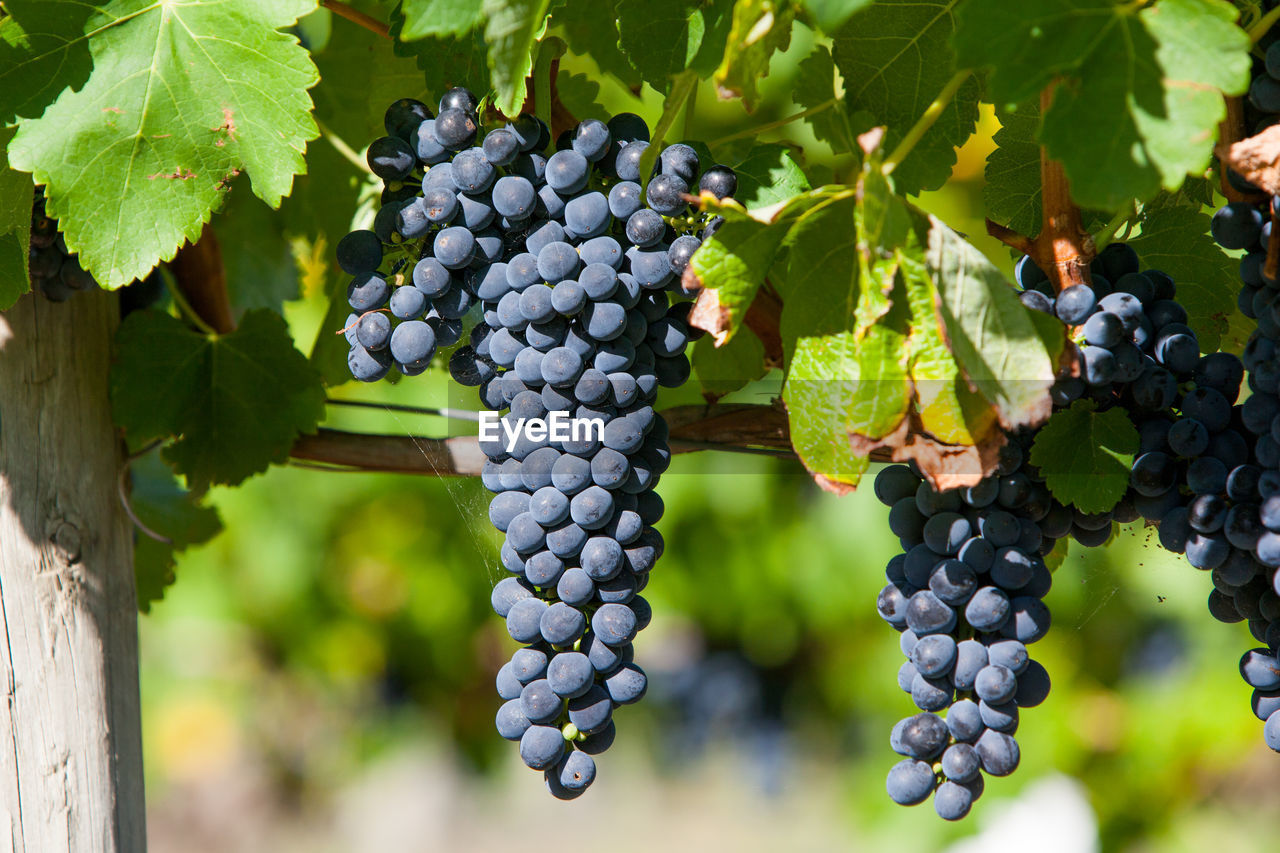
(321, 676)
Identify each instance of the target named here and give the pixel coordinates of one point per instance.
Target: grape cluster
(1262, 107)
(56, 271)
(499, 227)
(966, 594)
(1135, 346)
(1206, 469)
(1246, 581)
(566, 261)
(1244, 224)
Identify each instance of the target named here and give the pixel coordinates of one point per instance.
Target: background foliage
(341, 621)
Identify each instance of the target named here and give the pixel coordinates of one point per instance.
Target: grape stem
(1264, 24)
(1271, 269)
(357, 17)
(1108, 233)
(1010, 238)
(348, 153)
(184, 307)
(544, 74)
(926, 121)
(689, 107)
(201, 276)
(682, 89)
(758, 129)
(122, 490)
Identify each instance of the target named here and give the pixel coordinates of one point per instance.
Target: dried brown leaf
(709, 315)
(1256, 158)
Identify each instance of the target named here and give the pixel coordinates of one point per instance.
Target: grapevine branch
(1063, 249)
(1231, 131)
(357, 17)
(735, 428)
(1271, 269)
(201, 278)
(1254, 158)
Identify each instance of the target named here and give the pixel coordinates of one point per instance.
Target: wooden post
(70, 733)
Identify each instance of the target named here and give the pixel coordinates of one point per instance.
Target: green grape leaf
(1056, 557)
(445, 61)
(361, 74)
(830, 15)
(1198, 190)
(822, 383)
(153, 565)
(896, 334)
(822, 294)
(896, 58)
(233, 403)
(846, 344)
(44, 48)
(261, 271)
(760, 28)
(992, 335)
(581, 95)
(661, 38)
(953, 431)
(512, 29)
(1085, 455)
(184, 98)
(815, 89)
(769, 175)
(732, 265)
(424, 18)
(1141, 87)
(321, 203)
(1011, 194)
(16, 196)
(168, 510)
(718, 17)
(591, 29)
(1175, 238)
(723, 370)
(948, 408)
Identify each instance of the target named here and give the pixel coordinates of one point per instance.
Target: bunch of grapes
(1206, 469)
(1134, 342)
(1247, 580)
(966, 595)
(56, 271)
(1262, 107)
(464, 225)
(566, 260)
